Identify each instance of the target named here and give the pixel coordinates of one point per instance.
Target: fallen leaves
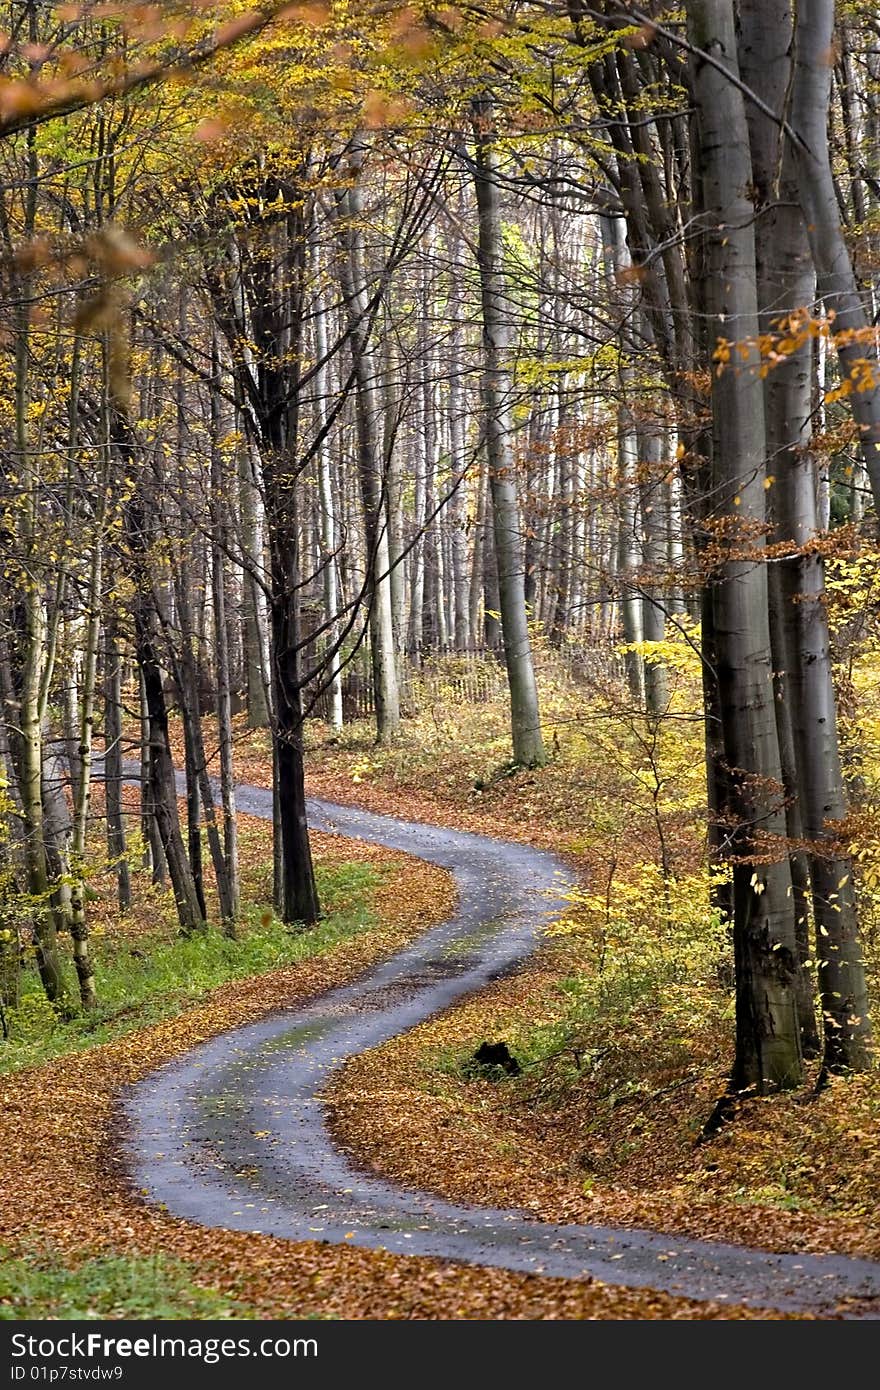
(629, 1160)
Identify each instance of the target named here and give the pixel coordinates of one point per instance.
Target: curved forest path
(234, 1133)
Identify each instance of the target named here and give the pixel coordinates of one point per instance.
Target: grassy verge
(39, 1285)
(144, 977)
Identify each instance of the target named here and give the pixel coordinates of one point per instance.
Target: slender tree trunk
(231, 887)
(630, 604)
(33, 644)
(528, 744)
(329, 530)
(394, 485)
(458, 449)
(116, 847)
(368, 414)
(651, 504)
(160, 764)
(82, 794)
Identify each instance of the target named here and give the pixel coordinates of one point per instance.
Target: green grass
(143, 979)
(37, 1285)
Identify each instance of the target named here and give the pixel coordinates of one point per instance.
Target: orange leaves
(20, 98)
(382, 110)
(791, 334)
(312, 15)
(210, 130)
(861, 378)
(631, 275)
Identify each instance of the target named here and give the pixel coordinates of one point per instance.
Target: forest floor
(622, 1024)
(623, 1021)
(77, 1242)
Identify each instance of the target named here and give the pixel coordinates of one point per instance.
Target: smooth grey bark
(631, 608)
(525, 719)
(394, 480)
(786, 285)
(329, 530)
(82, 789)
(419, 464)
(802, 651)
(70, 706)
(853, 332)
(768, 1051)
(477, 599)
(616, 261)
(36, 651)
(255, 609)
(457, 406)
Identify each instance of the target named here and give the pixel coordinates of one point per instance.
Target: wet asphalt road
(234, 1134)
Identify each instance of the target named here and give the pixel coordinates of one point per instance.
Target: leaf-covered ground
(68, 1206)
(618, 1080)
(625, 1046)
(616, 1144)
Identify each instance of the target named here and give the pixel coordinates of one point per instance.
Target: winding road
(234, 1133)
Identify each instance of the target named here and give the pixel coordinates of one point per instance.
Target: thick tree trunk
(528, 744)
(768, 1052)
(853, 330)
(803, 659)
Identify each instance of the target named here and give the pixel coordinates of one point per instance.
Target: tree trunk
(116, 847)
(852, 328)
(768, 1052)
(229, 855)
(82, 791)
(786, 287)
(368, 416)
(329, 530)
(528, 744)
(160, 764)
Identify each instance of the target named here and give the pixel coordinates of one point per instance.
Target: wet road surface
(234, 1133)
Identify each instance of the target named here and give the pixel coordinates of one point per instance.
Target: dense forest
(470, 415)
